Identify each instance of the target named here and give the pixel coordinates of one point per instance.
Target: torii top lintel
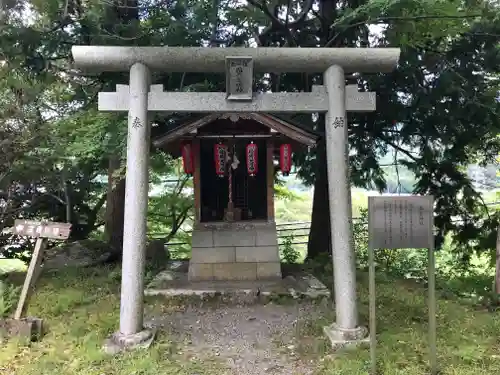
(212, 60)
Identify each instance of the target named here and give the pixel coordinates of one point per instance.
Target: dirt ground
(250, 340)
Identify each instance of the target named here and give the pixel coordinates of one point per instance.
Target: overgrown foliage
(289, 253)
(89, 299)
(437, 112)
(8, 297)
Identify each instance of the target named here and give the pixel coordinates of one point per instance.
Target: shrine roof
(279, 124)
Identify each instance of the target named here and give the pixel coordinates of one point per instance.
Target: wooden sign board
(42, 231)
(239, 78)
(401, 222)
(36, 229)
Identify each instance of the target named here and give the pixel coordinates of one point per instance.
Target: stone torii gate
(333, 98)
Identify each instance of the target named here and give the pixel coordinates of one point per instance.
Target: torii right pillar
(345, 330)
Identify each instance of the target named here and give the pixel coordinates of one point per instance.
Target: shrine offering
(285, 159)
(252, 159)
(187, 158)
(220, 159)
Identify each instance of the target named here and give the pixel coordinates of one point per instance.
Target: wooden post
(497, 268)
(197, 182)
(31, 275)
(270, 179)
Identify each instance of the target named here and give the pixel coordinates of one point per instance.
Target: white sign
(401, 222)
(239, 78)
(35, 229)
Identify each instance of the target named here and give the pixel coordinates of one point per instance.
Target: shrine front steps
(235, 251)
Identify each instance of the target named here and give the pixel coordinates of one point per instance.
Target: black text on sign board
(401, 222)
(35, 229)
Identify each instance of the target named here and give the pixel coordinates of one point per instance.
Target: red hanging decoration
(251, 157)
(187, 158)
(220, 154)
(285, 158)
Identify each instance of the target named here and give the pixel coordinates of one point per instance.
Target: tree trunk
(121, 13)
(319, 234)
(115, 205)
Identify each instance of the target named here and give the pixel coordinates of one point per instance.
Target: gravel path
(251, 340)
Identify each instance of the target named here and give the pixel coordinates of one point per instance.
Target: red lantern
(187, 158)
(220, 154)
(252, 161)
(285, 159)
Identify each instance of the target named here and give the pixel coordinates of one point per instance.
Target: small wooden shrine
(233, 159)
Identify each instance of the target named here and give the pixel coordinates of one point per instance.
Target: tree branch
(276, 22)
(382, 20)
(406, 152)
(56, 198)
(178, 222)
(215, 26)
(65, 186)
(412, 18)
(99, 204)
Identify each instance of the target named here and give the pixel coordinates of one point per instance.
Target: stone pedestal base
(346, 338)
(118, 342)
(240, 251)
(248, 271)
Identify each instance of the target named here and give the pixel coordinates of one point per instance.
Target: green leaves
(89, 135)
(438, 109)
(410, 23)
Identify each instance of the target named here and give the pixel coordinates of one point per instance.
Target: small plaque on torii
(239, 78)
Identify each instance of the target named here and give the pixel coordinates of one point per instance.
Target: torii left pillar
(132, 332)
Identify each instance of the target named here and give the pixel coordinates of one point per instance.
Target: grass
(81, 309)
(467, 336)
(11, 265)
